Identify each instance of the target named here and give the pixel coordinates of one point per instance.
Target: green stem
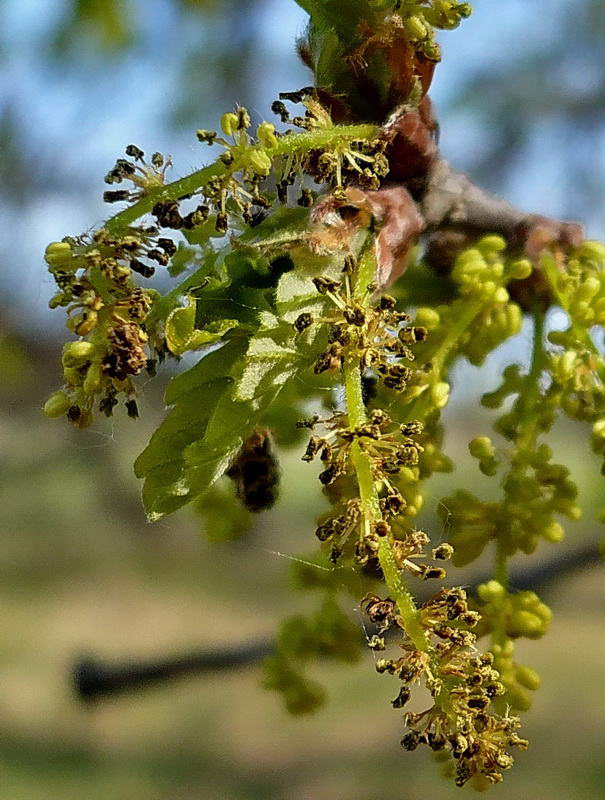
(528, 431)
(443, 355)
(295, 143)
(470, 310)
(368, 491)
(501, 566)
(529, 399)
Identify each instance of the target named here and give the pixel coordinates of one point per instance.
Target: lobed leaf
(231, 390)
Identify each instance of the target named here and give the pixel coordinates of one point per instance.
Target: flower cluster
(380, 335)
(462, 684)
(417, 21)
(107, 310)
(248, 162)
(534, 493)
(360, 162)
(144, 177)
(509, 617)
(371, 472)
(577, 366)
(579, 283)
(96, 274)
(328, 633)
(389, 448)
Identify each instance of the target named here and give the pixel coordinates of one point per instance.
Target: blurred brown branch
(93, 678)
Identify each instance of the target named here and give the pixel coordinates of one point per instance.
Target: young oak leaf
(183, 335)
(274, 354)
(284, 225)
(166, 488)
(296, 294)
(272, 360)
(228, 392)
(268, 364)
(194, 396)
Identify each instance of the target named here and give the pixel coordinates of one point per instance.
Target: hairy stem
(368, 491)
(295, 143)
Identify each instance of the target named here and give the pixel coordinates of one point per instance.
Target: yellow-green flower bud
(491, 244)
(599, 312)
(490, 591)
(527, 599)
(229, 123)
(470, 261)
(514, 317)
(482, 447)
(521, 269)
(594, 251)
(518, 698)
(92, 382)
(582, 311)
(554, 532)
(58, 254)
(542, 611)
(407, 475)
(503, 653)
(427, 318)
(589, 287)
(528, 678)
(77, 353)
(260, 162)
(440, 394)
(501, 295)
(266, 134)
(416, 28)
(496, 270)
(567, 364)
(56, 405)
(488, 290)
(524, 623)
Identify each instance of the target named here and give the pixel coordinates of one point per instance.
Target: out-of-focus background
(521, 98)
